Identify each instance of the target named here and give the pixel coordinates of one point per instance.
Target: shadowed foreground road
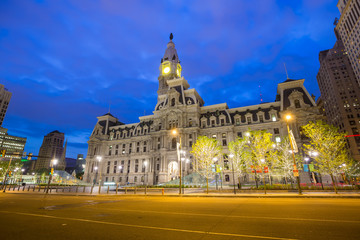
(34, 216)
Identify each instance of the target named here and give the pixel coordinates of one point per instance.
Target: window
(224, 142)
(158, 167)
(173, 143)
(190, 136)
(237, 121)
(248, 120)
(214, 136)
(276, 131)
(213, 123)
(239, 134)
(273, 117)
(173, 102)
(261, 118)
(203, 124)
(227, 178)
(108, 168)
(190, 122)
(135, 179)
(297, 103)
(222, 122)
(136, 168)
(190, 143)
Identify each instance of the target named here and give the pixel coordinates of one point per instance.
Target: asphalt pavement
(40, 216)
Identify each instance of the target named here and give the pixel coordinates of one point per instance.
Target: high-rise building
(146, 152)
(13, 145)
(51, 148)
(348, 27)
(340, 93)
(5, 97)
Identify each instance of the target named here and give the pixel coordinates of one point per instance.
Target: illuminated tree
(205, 151)
(240, 157)
(260, 145)
(283, 161)
(331, 147)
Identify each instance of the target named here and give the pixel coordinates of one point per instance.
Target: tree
(283, 161)
(205, 150)
(239, 157)
(260, 145)
(15, 167)
(331, 147)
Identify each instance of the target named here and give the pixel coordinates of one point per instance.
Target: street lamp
(288, 117)
(175, 133)
(99, 159)
(52, 164)
(232, 165)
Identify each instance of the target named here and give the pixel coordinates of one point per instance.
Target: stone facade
(52, 148)
(145, 152)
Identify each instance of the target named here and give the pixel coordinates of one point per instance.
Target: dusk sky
(64, 61)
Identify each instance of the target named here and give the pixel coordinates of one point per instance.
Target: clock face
(166, 70)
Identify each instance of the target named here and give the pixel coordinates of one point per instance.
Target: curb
(199, 195)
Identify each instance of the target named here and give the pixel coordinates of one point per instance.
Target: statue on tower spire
(171, 36)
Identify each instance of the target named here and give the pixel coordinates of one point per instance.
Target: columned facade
(144, 153)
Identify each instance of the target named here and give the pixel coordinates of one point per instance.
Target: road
(38, 216)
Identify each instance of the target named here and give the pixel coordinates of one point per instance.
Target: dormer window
(261, 118)
(297, 103)
(173, 102)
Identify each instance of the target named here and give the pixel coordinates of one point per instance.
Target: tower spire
(171, 36)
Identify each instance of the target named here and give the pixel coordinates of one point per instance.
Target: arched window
(173, 102)
(94, 151)
(173, 143)
(227, 178)
(297, 103)
(135, 179)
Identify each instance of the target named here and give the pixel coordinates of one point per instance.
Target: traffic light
(52, 171)
(2, 152)
(10, 172)
(29, 156)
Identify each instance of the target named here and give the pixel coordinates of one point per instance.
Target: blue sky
(64, 61)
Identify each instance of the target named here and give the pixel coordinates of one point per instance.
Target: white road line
(147, 227)
(230, 216)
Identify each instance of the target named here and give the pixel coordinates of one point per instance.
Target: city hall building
(146, 152)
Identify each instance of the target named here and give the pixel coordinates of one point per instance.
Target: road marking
(147, 227)
(233, 216)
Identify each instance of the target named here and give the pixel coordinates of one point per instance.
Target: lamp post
(99, 159)
(288, 117)
(178, 146)
(52, 164)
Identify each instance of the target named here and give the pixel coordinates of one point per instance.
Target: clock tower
(170, 67)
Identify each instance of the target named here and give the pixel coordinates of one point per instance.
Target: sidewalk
(173, 192)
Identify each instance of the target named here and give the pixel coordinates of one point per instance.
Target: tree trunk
(291, 181)
(264, 182)
(286, 182)
(256, 179)
(334, 183)
(322, 185)
(207, 185)
(239, 186)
